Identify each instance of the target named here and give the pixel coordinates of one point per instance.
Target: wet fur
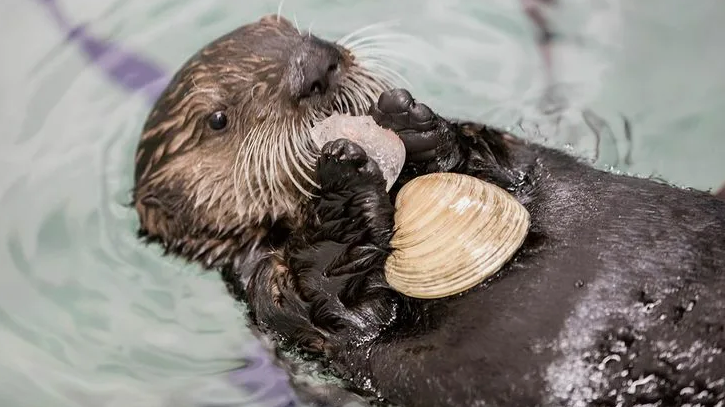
(617, 297)
(619, 274)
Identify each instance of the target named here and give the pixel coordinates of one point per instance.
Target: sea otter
(616, 298)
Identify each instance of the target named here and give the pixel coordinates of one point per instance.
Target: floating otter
(617, 296)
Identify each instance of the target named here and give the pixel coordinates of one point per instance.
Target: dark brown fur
(617, 297)
(184, 192)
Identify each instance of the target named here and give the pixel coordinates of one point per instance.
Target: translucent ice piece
(382, 145)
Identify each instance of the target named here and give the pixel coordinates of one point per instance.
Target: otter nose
(318, 64)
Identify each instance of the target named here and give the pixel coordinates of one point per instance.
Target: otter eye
(218, 121)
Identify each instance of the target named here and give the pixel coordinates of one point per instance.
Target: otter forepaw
(343, 162)
(421, 130)
(398, 111)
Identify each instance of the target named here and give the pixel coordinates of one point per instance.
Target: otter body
(620, 282)
(617, 296)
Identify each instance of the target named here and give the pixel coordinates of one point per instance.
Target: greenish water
(90, 317)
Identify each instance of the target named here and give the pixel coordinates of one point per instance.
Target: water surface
(90, 317)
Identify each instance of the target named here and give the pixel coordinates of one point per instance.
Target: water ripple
(89, 316)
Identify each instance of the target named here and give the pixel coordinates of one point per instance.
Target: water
(90, 317)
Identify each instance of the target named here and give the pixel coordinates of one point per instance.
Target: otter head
(226, 151)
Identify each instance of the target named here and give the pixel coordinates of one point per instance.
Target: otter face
(227, 147)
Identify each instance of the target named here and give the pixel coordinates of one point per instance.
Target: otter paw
(398, 111)
(415, 123)
(343, 162)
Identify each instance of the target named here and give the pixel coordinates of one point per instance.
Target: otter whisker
(360, 99)
(309, 29)
(268, 165)
(270, 170)
(336, 103)
(347, 104)
(343, 41)
(271, 183)
(287, 155)
(375, 66)
(297, 26)
(347, 100)
(279, 10)
(365, 90)
(257, 191)
(377, 82)
(385, 71)
(290, 174)
(309, 164)
(281, 160)
(358, 102)
(377, 45)
(300, 171)
(302, 145)
(366, 98)
(352, 46)
(310, 151)
(281, 155)
(259, 173)
(236, 170)
(249, 164)
(357, 85)
(380, 41)
(378, 52)
(383, 55)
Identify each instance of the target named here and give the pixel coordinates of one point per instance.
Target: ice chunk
(380, 144)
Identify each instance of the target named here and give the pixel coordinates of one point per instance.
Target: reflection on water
(90, 317)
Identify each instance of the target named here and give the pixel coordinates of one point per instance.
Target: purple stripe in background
(123, 67)
(135, 73)
(263, 378)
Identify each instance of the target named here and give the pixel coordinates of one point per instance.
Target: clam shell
(452, 232)
(380, 144)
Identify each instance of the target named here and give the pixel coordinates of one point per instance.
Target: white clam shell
(380, 144)
(452, 232)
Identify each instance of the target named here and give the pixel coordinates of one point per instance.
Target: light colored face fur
(227, 145)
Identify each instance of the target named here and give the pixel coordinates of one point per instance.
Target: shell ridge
(453, 231)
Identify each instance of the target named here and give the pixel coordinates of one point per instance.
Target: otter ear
(275, 19)
(161, 215)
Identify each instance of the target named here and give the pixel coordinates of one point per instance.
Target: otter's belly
(629, 307)
(551, 339)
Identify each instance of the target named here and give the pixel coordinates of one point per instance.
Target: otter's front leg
(431, 142)
(354, 206)
(337, 259)
(436, 144)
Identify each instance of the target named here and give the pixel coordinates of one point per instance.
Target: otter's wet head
(227, 146)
